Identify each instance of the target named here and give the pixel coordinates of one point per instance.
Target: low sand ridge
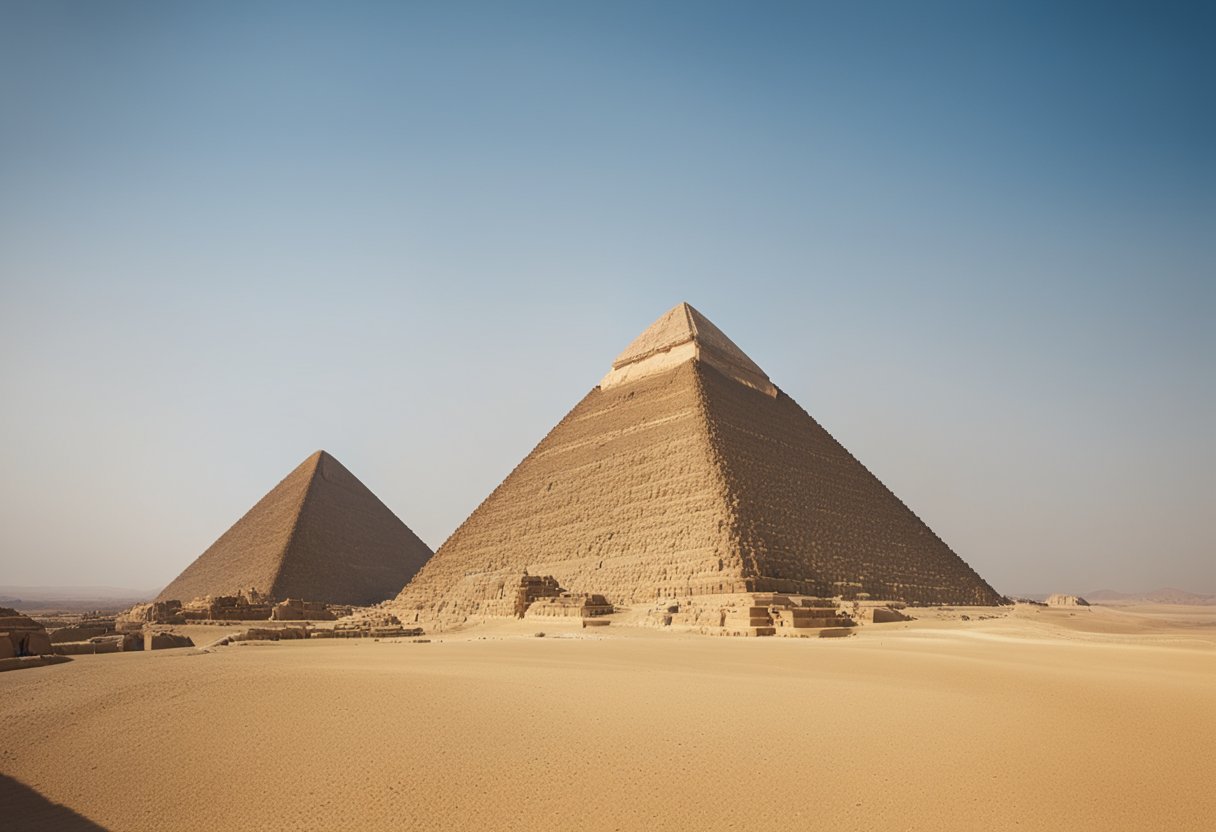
(1033, 719)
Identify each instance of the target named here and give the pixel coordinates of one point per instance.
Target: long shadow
(22, 809)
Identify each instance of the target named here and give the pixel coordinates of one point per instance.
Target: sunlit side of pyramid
(319, 535)
(687, 472)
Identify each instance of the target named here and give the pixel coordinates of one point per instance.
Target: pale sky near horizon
(974, 240)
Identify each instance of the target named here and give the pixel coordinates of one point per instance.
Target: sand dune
(1032, 719)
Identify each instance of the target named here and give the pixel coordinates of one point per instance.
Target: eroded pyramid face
(687, 472)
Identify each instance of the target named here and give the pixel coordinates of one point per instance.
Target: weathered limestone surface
(569, 605)
(319, 534)
(695, 477)
(811, 519)
(622, 498)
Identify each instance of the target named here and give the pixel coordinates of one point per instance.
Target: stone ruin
(111, 643)
(1059, 600)
(294, 609)
(249, 605)
(246, 605)
(755, 615)
(157, 612)
(369, 623)
(21, 636)
(531, 589)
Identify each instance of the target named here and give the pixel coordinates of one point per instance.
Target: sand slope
(1032, 720)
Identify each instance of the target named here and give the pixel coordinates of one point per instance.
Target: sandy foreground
(1036, 719)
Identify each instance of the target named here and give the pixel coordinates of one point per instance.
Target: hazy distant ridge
(1167, 595)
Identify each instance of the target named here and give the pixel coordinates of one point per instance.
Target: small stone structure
(165, 641)
(531, 589)
(157, 612)
(25, 636)
(1059, 600)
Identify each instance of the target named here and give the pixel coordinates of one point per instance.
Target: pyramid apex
(679, 335)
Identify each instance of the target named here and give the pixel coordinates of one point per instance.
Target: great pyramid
(686, 472)
(319, 535)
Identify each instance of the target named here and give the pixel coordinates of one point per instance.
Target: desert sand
(1034, 718)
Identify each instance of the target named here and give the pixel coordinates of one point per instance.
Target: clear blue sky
(975, 240)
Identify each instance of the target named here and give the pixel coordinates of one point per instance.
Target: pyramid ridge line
(727, 493)
(298, 516)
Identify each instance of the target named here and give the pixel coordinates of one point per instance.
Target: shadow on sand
(22, 808)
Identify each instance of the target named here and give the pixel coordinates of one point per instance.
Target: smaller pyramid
(319, 535)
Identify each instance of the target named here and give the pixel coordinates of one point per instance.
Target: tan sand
(1035, 719)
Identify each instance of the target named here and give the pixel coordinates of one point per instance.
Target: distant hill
(71, 598)
(1167, 595)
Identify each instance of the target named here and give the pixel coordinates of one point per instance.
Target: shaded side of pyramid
(623, 497)
(320, 535)
(811, 519)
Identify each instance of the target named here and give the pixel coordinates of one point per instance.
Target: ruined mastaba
(687, 472)
(320, 534)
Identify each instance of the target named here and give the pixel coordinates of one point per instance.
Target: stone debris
(686, 473)
(246, 605)
(887, 615)
(769, 614)
(1066, 601)
(369, 623)
(166, 641)
(294, 609)
(157, 612)
(319, 534)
